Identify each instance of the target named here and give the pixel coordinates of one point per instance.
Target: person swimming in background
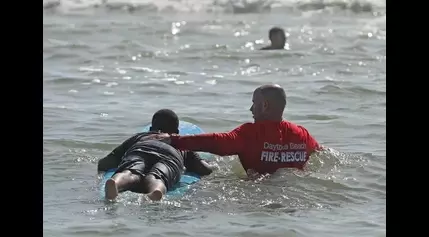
(146, 165)
(264, 146)
(278, 39)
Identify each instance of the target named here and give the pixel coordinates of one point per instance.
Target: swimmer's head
(165, 120)
(277, 37)
(269, 102)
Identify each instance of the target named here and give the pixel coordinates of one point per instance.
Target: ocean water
(109, 65)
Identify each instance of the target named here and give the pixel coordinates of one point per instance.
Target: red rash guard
(262, 146)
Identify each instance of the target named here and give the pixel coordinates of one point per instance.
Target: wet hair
(276, 30)
(165, 120)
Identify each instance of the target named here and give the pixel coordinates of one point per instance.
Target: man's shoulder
(290, 124)
(286, 123)
(295, 128)
(245, 126)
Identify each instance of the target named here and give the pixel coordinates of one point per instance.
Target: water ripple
(107, 70)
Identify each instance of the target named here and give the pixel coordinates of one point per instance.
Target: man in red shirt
(268, 144)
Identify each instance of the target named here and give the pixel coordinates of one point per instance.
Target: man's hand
(164, 137)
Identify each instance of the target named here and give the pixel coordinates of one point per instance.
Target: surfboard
(187, 179)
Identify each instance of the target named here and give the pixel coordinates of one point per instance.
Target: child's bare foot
(156, 195)
(111, 190)
(156, 188)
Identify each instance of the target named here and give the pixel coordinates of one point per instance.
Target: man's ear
(265, 105)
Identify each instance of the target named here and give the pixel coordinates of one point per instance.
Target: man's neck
(272, 119)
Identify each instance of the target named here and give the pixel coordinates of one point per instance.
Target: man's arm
(113, 159)
(312, 144)
(194, 163)
(222, 144)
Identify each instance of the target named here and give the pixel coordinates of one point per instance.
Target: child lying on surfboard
(147, 165)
